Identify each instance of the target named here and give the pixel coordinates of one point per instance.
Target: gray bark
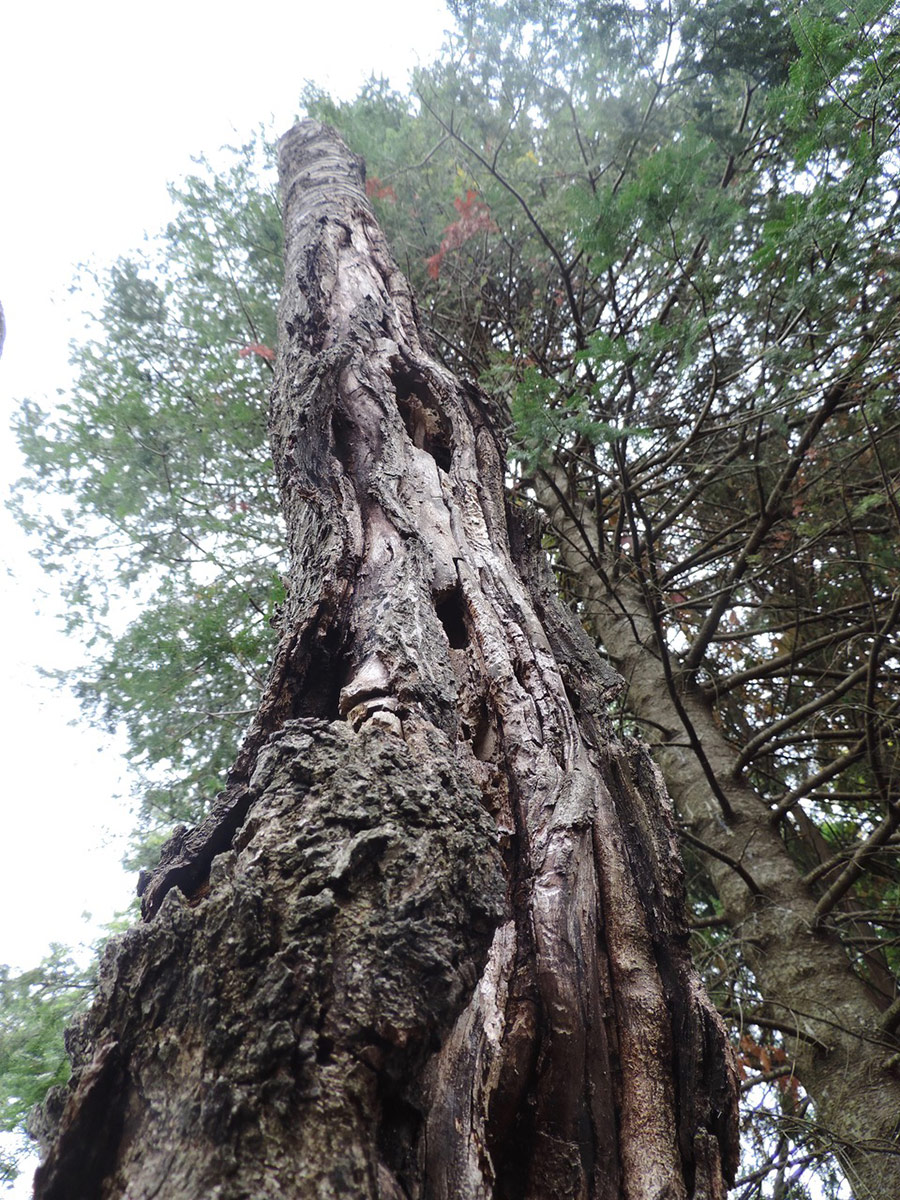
(844, 1057)
(431, 943)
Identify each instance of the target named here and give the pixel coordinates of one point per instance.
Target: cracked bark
(431, 943)
(845, 1061)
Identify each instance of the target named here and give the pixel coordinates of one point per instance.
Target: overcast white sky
(102, 104)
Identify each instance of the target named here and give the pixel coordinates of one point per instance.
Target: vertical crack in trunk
(497, 998)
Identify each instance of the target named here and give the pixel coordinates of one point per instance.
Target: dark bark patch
(186, 858)
(451, 612)
(341, 444)
(322, 679)
(96, 1105)
(294, 1010)
(398, 1134)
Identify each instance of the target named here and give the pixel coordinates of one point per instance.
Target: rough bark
(431, 943)
(844, 1058)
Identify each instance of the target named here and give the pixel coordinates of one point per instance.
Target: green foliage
(35, 1008)
(740, 38)
(164, 510)
(547, 425)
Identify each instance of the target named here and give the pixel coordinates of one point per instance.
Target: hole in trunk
(484, 743)
(510, 1138)
(398, 1135)
(324, 1049)
(340, 441)
(426, 425)
(450, 610)
(522, 672)
(318, 695)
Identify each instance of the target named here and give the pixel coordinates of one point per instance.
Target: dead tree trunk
(431, 942)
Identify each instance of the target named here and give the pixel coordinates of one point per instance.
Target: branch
(855, 867)
(419, 165)
(741, 1018)
(725, 858)
(650, 604)
(539, 229)
(890, 1019)
(797, 717)
(772, 666)
(850, 756)
(709, 923)
(835, 394)
(767, 1077)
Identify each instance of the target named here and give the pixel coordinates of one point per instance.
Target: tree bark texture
(844, 1058)
(431, 943)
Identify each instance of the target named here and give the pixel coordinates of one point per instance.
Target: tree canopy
(663, 237)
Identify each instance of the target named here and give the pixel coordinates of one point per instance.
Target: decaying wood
(432, 941)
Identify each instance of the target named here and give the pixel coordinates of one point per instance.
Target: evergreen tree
(665, 236)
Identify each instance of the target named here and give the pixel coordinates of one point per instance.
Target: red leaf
(474, 217)
(375, 188)
(256, 348)
(434, 264)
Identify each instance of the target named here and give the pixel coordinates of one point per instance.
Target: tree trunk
(845, 1057)
(431, 942)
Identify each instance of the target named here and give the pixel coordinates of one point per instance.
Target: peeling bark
(431, 943)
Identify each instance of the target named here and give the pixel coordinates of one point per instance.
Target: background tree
(166, 499)
(665, 235)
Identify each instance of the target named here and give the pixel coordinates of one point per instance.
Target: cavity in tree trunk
(431, 942)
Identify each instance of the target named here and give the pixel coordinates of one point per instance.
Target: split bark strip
(541, 1032)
